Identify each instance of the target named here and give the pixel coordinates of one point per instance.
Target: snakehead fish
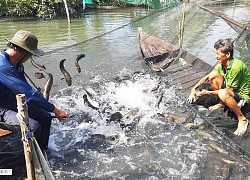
(80, 56)
(39, 75)
(65, 73)
(38, 66)
(47, 87)
(89, 103)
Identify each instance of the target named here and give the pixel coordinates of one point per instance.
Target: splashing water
(136, 132)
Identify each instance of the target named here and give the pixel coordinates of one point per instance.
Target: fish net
(152, 3)
(242, 30)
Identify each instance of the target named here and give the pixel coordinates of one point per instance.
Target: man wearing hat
(12, 82)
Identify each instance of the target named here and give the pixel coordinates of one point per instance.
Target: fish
(65, 73)
(131, 113)
(207, 135)
(173, 118)
(38, 66)
(105, 137)
(160, 66)
(39, 75)
(89, 103)
(158, 84)
(47, 87)
(159, 100)
(192, 126)
(80, 56)
(155, 68)
(219, 149)
(90, 91)
(115, 117)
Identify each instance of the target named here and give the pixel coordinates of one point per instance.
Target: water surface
(151, 146)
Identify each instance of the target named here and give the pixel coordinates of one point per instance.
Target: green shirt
(237, 76)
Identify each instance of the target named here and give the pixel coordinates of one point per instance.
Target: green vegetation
(52, 8)
(38, 8)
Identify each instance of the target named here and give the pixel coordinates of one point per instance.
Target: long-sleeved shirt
(13, 82)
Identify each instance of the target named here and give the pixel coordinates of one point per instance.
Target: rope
(37, 88)
(27, 134)
(240, 34)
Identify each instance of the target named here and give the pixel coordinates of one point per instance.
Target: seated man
(230, 81)
(12, 82)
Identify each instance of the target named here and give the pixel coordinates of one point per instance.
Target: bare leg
(227, 97)
(216, 81)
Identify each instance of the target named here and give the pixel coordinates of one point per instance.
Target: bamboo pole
(181, 25)
(221, 16)
(23, 112)
(67, 10)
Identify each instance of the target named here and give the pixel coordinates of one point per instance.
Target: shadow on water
(151, 140)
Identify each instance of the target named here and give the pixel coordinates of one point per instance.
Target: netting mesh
(242, 30)
(152, 3)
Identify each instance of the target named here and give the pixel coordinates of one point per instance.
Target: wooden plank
(152, 46)
(5, 132)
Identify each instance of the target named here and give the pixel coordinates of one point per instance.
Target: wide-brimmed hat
(27, 41)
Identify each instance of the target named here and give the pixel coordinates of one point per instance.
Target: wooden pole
(221, 16)
(245, 31)
(67, 10)
(181, 25)
(23, 112)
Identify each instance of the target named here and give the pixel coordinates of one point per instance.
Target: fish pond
(137, 126)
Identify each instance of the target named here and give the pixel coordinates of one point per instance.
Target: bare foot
(216, 106)
(242, 127)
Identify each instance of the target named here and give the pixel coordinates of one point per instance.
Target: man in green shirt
(230, 80)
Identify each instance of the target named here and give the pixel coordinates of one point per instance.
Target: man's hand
(202, 92)
(192, 96)
(216, 106)
(60, 115)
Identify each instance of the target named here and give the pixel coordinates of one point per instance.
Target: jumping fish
(38, 66)
(80, 56)
(47, 87)
(90, 91)
(65, 73)
(39, 75)
(89, 103)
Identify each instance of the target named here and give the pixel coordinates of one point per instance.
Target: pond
(116, 78)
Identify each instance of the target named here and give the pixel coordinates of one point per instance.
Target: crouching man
(230, 81)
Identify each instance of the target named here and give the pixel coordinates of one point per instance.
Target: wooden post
(23, 112)
(67, 10)
(181, 25)
(221, 16)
